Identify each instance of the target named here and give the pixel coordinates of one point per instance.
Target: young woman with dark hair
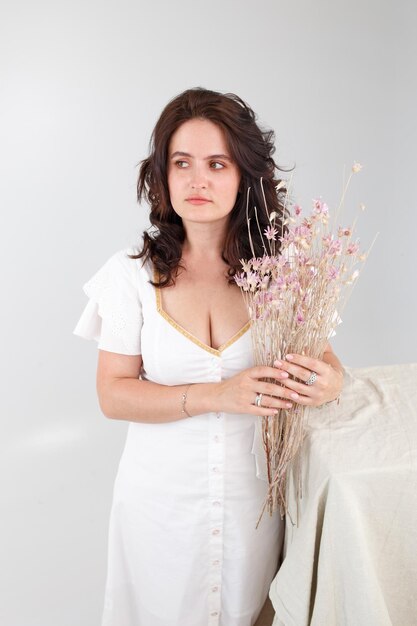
(176, 361)
(251, 151)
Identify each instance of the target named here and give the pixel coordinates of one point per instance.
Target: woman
(175, 361)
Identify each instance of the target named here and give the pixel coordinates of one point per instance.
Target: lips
(197, 200)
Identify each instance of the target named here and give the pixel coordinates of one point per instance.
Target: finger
(308, 395)
(271, 402)
(306, 400)
(296, 370)
(314, 365)
(276, 390)
(264, 371)
(302, 388)
(266, 411)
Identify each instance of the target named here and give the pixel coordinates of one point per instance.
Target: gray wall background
(82, 84)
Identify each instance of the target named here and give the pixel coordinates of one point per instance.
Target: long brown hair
(251, 149)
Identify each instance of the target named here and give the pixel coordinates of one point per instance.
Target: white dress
(183, 548)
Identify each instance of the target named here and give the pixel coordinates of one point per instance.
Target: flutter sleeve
(113, 315)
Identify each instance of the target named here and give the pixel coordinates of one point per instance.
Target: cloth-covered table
(350, 554)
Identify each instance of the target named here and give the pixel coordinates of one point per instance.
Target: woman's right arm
(122, 395)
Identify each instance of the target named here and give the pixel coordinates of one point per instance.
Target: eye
(216, 165)
(181, 164)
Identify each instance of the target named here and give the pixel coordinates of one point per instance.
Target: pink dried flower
(352, 248)
(334, 246)
(332, 273)
(344, 232)
(252, 281)
(356, 167)
(287, 238)
(280, 283)
(320, 207)
(266, 263)
(245, 265)
(297, 209)
(271, 233)
(241, 281)
(300, 317)
(282, 262)
(265, 282)
(302, 231)
(302, 236)
(274, 262)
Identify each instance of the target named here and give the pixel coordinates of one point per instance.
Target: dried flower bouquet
(293, 298)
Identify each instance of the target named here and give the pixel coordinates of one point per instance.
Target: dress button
(216, 503)
(215, 469)
(216, 531)
(214, 614)
(216, 438)
(216, 562)
(218, 415)
(214, 589)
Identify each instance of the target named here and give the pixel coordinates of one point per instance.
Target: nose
(198, 178)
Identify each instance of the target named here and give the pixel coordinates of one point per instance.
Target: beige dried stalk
(293, 300)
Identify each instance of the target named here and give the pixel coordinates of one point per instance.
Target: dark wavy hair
(251, 149)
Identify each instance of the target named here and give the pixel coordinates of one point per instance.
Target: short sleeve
(113, 315)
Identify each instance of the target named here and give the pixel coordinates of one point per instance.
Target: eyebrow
(212, 156)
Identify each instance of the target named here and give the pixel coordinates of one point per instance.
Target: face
(203, 180)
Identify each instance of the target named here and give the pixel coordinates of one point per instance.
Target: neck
(204, 241)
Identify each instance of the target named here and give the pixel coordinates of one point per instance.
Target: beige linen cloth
(352, 558)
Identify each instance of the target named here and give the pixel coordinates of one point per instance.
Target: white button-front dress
(183, 547)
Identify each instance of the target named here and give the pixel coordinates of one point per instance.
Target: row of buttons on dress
(216, 489)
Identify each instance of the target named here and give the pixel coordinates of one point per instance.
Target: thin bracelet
(337, 400)
(184, 400)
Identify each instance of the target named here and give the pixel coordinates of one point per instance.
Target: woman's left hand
(324, 387)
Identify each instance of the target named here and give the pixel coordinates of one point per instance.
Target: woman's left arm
(314, 390)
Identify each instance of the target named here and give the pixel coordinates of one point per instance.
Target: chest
(207, 306)
(172, 355)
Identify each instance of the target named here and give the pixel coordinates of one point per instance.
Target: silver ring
(258, 399)
(312, 379)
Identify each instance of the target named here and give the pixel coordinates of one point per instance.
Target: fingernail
(277, 363)
(288, 405)
(284, 374)
(289, 357)
(294, 395)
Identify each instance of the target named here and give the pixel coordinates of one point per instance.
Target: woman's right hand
(238, 393)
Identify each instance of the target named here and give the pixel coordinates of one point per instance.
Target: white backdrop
(82, 84)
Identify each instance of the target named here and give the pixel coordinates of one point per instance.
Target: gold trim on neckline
(216, 351)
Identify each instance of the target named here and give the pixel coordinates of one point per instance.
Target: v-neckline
(215, 351)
